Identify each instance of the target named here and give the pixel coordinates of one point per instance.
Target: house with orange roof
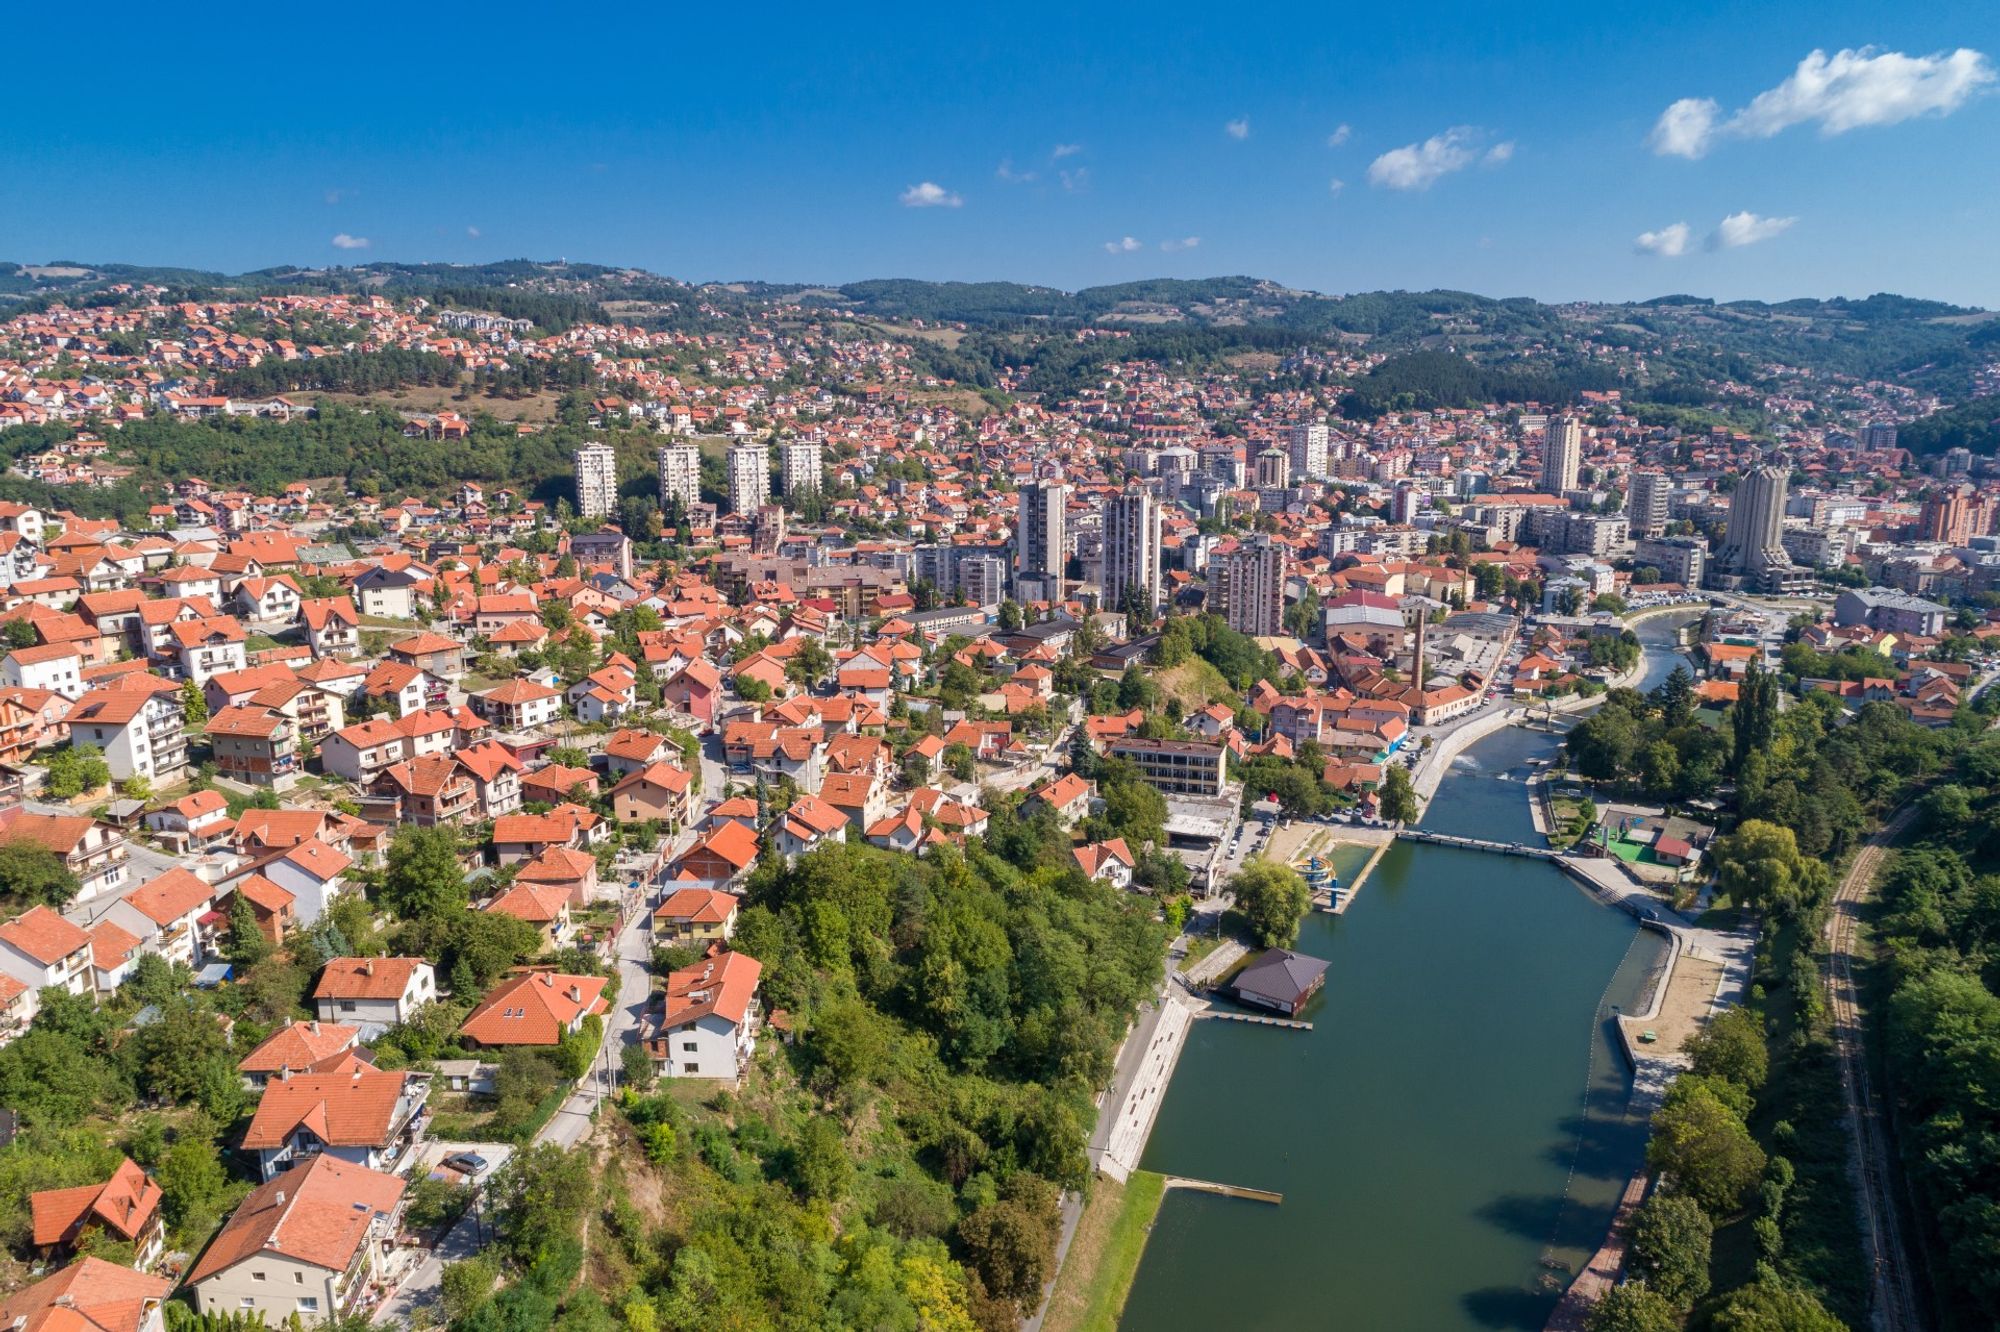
(139, 724)
(360, 1115)
(429, 791)
(536, 1010)
(192, 821)
(207, 646)
(31, 719)
(518, 837)
(575, 872)
(298, 1047)
(545, 906)
(90, 1295)
(811, 822)
(658, 791)
(42, 950)
(518, 705)
(629, 751)
(708, 1019)
(497, 777)
(308, 1243)
(701, 916)
(256, 745)
(165, 913)
(1110, 861)
(373, 993)
(125, 1208)
(724, 854)
(1068, 795)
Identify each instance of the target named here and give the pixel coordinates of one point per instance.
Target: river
(1452, 1136)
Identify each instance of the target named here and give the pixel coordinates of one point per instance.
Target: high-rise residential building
(749, 478)
(596, 480)
(1274, 469)
(1646, 504)
(982, 579)
(1247, 586)
(1754, 547)
(1953, 515)
(1225, 461)
(1562, 454)
(1040, 537)
(799, 461)
(1131, 564)
(1878, 435)
(1680, 560)
(1407, 501)
(680, 477)
(1307, 446)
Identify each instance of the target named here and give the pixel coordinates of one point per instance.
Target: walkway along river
(1452, 1136)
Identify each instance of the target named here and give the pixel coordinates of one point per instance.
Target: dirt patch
(1684, 1010)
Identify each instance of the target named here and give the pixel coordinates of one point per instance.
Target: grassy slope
(1104, 1257)
(1196, 684)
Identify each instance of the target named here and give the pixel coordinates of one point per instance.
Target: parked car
(466, 1163)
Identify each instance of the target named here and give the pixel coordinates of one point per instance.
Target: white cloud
(1418, 166)
(1747, 229)
(346, 242)
(929, 194)
(1336, 185)
(1238, 128)
(1184, 243)
(1075, 179)
(1669, 242)
(1341, 134)
(1007, 173)
(1063, 150)
(334, 196)
(1124, 246)
(472, 232)
(1685, 128)
(1849, 89)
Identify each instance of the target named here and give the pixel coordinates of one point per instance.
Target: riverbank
(1104, 1255)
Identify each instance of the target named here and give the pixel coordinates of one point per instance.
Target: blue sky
(1029, 143)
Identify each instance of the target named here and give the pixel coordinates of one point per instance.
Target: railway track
(1894, 1290)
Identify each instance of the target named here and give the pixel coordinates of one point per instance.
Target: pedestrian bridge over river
(1479, 844)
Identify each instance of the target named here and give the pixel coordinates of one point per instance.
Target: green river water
(1452, 1136)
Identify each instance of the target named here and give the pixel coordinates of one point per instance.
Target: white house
(42, 950)
(373, 993)
(709, 1027)
(308, 1243)
(140, 726)
(56, 667)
